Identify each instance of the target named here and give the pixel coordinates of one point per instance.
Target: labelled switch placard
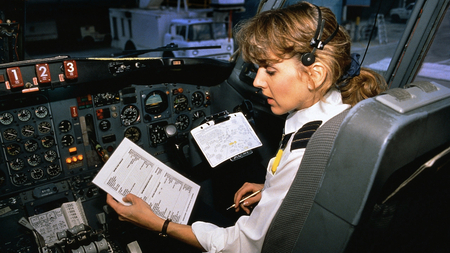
(417, 94)
(15, 77)
(43, 73)
(70, 69)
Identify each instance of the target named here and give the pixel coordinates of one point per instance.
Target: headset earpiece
(308, 58)
(316, 42)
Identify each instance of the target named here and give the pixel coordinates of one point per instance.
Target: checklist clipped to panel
(225, 137)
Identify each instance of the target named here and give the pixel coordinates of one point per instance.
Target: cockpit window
(377, 30)
(436, 64)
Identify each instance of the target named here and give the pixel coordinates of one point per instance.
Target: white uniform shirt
(248, 234)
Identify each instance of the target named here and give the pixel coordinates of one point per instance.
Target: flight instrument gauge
(65, 126)
(6, 118)
(198, 115)
(27, 130)
(44, 127)
(13, 149)
(67, 140)
(34, 160)
(129, 115)
(24, 115)
(19, 178)
(182, 122)
(37, 173)
(17, 164)
(156, 102)
(133, 133)
(41, 112)
(10, 134)
(47, 141)
(180, 103)
(31, 145)
(197, 99)
(104, 125)
(54, 170)
(50, 155)
(157, 133)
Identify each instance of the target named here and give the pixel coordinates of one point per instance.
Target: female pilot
(305, 70)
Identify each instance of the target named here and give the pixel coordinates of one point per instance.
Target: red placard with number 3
(70, 69)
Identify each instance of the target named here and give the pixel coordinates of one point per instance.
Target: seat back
(375, 139)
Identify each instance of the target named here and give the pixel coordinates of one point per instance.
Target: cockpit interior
(63, 114)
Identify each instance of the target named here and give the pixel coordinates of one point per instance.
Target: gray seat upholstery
(373, 142)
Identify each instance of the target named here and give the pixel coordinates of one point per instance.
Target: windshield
(376, 27)
(436, 64)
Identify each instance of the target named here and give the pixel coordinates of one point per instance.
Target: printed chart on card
(227, 139)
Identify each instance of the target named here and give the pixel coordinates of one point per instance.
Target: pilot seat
(373, 179)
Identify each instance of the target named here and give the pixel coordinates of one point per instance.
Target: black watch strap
(163, 232)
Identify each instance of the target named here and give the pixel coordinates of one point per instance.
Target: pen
(244, 199)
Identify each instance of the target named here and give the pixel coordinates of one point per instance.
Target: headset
(316, 43)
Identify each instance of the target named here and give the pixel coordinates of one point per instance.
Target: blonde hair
(274, 35)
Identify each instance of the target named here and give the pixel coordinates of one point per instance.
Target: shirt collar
(326, 108)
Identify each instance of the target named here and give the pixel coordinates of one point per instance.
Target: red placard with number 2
(43, 73)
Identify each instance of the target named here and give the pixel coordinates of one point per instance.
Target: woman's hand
(138, 213)
(247, 189)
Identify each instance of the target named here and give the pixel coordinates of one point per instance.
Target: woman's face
(285, 86)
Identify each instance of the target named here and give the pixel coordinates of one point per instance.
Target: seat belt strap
(291, 216)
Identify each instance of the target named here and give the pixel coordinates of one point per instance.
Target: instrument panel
(61, 119)
(44, 140)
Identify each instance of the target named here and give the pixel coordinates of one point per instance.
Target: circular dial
(31, 145)
(19, 178)
(182, 122)
(53, 170)
(41, 112)
(44, 127)
(10, 134)
(24, 115)
(37, 173)
(157, 134)
(17, 164)
(133, 133)
(47, 141)
(129, 115)
(198, 115)
(197, 99)
(13, 149)
(180, 103)
(27, 130)
(65, 126)
(50, 155)
(6, 118)
(104, 125)
(34, 160)
(156, 102)
(67, 140)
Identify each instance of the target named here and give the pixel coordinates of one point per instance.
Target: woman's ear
(318, 74)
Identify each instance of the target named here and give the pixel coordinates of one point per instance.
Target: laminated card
(225, 138)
